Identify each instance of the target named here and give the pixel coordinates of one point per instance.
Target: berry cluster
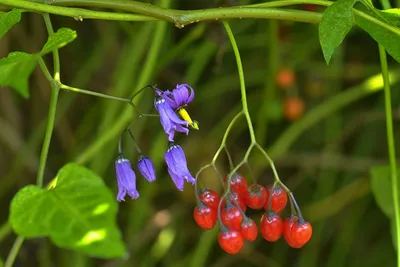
(236, 226)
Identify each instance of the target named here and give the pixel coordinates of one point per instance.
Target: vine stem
(245, 109)
(55, 89)
(14, 251)
(241, 80)
(87, 92)
(223, 142)
(391, 146)
(56, 56)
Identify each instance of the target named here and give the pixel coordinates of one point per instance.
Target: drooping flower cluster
(126, 177)
(169, 105)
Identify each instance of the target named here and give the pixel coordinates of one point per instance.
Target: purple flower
(169, 120)
(146, 168)
(126, 179)
(177, 166)
(181, 96)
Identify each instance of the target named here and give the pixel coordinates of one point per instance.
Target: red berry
(205, 216)
(301, 232)
(256, 196)
(210, 198)
(238, 184)
(279, 199)
(230, 241)
(287, 231)
(293, 108)
(249, 229)
(231, 217)
(271, 226)
(235, 197)
(285, 78)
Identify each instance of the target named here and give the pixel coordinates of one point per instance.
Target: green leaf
(77, 212)
(381, 186)
(382, 32)
(7, 20)
(1, 263)
(391, 15)
(15, 71)
(59, 39)
(336, 22)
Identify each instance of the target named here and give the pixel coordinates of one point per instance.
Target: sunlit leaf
(382, 32)
(336, 22)
(15, 71)
(78, 211)
(7, 20)
(59, 39)
(391, 15)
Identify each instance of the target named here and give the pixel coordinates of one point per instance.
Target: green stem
(241, 80)
(223, 142)
(5, 230)
(44, 69)
(179, 17)
(87, 92)
(183, 17)
(391, 146)
(56, 57)
(14, 251)
(76, 13)
(55, 89)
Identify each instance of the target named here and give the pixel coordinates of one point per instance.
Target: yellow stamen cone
(185, 115)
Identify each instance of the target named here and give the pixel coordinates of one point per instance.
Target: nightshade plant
(78, 191)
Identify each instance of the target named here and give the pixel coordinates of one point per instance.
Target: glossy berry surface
(205, 216)
(287, 231)
(231, 217)
(249, 229)
(271, 226)
(293, 108)
(238, 184)
(210, 198)
(235, 197)
(279, 199)
(231, 241)
(285, 78)
(256, 196)
(301, 233)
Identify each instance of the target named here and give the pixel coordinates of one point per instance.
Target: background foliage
(326, 157)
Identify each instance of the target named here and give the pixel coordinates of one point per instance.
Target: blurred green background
(324, 156)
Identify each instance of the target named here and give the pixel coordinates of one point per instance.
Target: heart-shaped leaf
(77, 212)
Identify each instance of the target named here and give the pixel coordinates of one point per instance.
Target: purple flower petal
(178, 181)
(126, 179)
(169, 120)
(177, 164)
(181, 96)
(146, 168)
